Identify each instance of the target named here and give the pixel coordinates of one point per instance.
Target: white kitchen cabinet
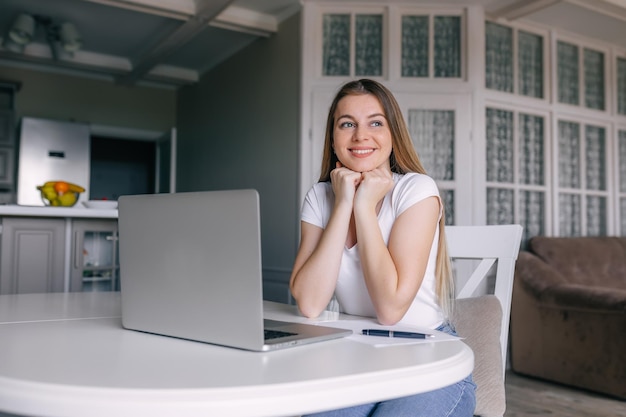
(32, 255)
(94, 259)
(56, 249)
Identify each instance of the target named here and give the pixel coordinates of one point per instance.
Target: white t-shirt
(351, 291)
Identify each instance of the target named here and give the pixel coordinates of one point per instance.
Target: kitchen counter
(77, 211)
(56, 242)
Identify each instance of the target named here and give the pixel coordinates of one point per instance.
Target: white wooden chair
(482, 316)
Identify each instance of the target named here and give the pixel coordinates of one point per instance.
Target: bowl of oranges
(60, 193)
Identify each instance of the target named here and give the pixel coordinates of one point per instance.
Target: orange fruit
(61, 187)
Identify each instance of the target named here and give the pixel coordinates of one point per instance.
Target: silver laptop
(190, 267)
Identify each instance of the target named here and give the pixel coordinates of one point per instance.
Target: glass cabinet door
(440, 133)
(352, 44)
(95, 266)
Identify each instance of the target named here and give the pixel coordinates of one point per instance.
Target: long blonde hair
(403, 159)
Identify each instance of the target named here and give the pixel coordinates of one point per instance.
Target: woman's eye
(347, 124)
(377, 123)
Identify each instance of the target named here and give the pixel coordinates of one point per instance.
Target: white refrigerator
(51, 150)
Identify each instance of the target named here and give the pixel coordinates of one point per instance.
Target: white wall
(65, 97)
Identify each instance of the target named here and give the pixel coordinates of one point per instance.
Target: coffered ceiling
(164, 41)
(173, 42)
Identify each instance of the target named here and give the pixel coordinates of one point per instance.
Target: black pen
(394, 333)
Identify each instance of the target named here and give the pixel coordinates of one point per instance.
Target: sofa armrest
(584, 297)
(535, 275)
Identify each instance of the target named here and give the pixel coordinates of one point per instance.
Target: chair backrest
(489, 245)
(480, 317)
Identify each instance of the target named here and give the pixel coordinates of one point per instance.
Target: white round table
(68, 355)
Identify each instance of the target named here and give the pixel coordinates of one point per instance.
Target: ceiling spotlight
(23, 29)
(60, 37)
(69, 37)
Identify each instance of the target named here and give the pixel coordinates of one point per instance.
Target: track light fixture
(23, 31)
(69, 37)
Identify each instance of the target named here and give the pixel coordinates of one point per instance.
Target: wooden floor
(533, 397)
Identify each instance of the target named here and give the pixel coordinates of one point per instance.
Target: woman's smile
(361, 153)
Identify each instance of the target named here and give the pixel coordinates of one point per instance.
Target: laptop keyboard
(275, 334)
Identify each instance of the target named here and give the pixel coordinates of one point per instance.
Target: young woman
(373, 236)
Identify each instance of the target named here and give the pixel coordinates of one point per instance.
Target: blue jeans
(456, 400)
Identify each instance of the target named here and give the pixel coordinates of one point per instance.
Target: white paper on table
(358, 324)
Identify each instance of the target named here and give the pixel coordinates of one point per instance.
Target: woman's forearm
(317, 265)
(394, 271)
(379, 269)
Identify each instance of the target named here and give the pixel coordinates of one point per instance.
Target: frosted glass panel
(499, 57)
(569, 154)
(336, 48)
(567, 73)
(622, 160)
(531, 155)
(448, 203)
(594, 79)
(596, 216)
(621, 85)
(369, 44)
(595, 157)
(530, 63)
(499, 145)
(415, 46)
(569, 215)
(500, 206)
(532, 210)
(447, 46)
(433, 136)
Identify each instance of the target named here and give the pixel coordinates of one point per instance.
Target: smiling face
(362, 139)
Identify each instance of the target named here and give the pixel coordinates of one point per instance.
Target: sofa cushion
(583, 297)
(591, 261)
(535, 275)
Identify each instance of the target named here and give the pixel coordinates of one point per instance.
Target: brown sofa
(568, 312)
